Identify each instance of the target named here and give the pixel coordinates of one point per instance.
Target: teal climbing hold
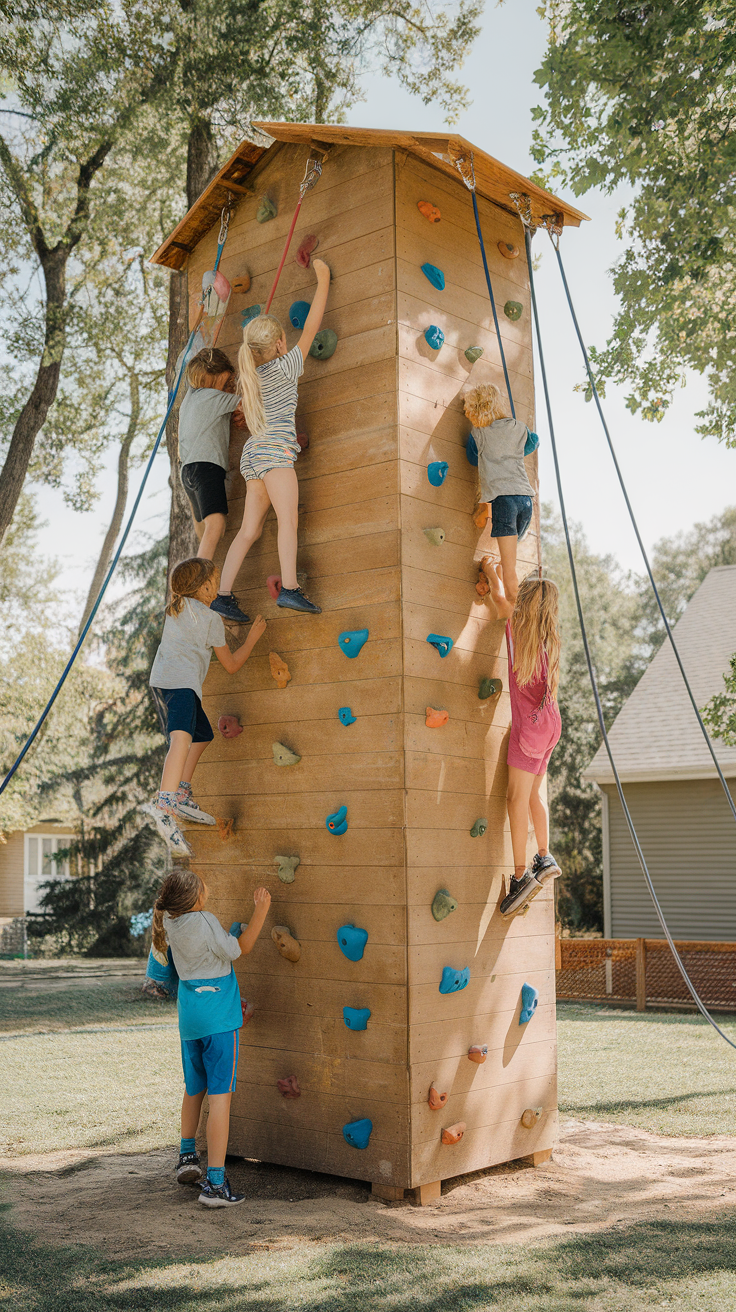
(252, 312)
(337, 823)
(346, 715)
(266, 210)
(352, 641)
(529, 1000)
(443, 904)
(473, 353)
(437, 472)
(236, 929)
(454, 981)
(351, 941)
(358, 1133)
(479, 828)
(324, 344)
(440, 642)
(489, 688)
(356, 1018)
(513, 310)
(434, 337)
(298, 313)
(435, 275)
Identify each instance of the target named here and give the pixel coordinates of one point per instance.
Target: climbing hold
(479, 828)
(237, 927)
(358, 1133)
(273, 583)
(286, 868)
(435, 275)
(489, 688)
(352, 641)
(454, 981)
(279, 669)
(283, 755)
(478, 1053)
(266, 210)
(454, 1133)
(306, 250)
(480, 514)
(440, 642)
(298, 313)
(229, 726)
(529, 1000)
(351, 941)
(513, 310)
(436, 1099)
(429, 211)
(508, 250)
(225, 828)
(473, 353)
(530, 1116)
(302, 440)
(337, 823)
(252, 312)
(482, 587)
(434, 535)
(247, 1009)
(345, 715)
(289, 1087)
(286, 943)
(241, 284)
(443, 904)
(437, 472)
(434, 336)
(324, 344)
(435, 719)
(356, 1018)
(471, 451)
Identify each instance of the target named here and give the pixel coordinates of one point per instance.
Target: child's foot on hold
(213, 1195)
(521, 891)
(188, 1170)
(295, 599)
(163, 818)
(185, 806)
(545, 867)
(226, 605)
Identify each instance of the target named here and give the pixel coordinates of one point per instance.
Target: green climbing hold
(324, 344)
(479, 828)
(435, 535)
(473, 353)
(513, 310)
(266, 210)
(443, 904)
(284, 755)
(489, 688)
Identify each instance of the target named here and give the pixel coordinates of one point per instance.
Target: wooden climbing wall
(376, 413)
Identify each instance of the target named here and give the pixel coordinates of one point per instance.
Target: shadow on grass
(607, 1013)
(636, 1104)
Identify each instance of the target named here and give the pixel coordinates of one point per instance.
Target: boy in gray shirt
(204, 442)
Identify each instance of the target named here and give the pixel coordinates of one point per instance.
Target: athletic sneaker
(520, 891)
(226, 605)
(185, 806)
(167, 827)
(189, 1170)
(219, 1195)
(295, 599)
(545, 867)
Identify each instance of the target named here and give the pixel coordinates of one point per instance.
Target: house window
(40, 866)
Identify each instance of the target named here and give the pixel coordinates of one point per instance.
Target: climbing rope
(466, 169)
(588, 658)
(311, 177)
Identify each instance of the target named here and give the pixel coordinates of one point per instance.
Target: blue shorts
(184, 711)
(211, 1063)
(510, 516)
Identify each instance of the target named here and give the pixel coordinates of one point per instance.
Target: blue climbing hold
(236, 929)
(352, 941)
(529, 1000)
(471, 451)
(337, 823)
(532, 442)
(252, 312)
(358, 1133)
(356, 1018)
(346, 715)
(440, 642)
(437, 472)
(298, 313)
(435, 275)
(454, 981)
(352, 641)
(434, 337)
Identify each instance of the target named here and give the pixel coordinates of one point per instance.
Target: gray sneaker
(295, 599)
(545, 867)
(188, 809)
(226, 605)
(521, 891)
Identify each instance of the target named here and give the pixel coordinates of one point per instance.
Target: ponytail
(186, 580)
(259, 335)
(179, 892)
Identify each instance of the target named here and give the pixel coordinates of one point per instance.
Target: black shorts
(204, 484)
(184, 711)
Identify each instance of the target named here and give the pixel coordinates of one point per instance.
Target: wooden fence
(643, 971)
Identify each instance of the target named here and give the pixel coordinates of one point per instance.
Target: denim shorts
(510, 516)
(184, 711)
(211, 1063)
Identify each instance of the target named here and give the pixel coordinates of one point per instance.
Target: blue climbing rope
(589, 662)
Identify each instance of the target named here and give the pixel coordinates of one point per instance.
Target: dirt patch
(601, 1175)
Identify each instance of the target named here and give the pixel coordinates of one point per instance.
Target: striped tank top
(279, 384)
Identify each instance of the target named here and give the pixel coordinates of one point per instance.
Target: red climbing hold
(303, 440)
(229, 726)
(306, 250)
(273, 583)
(247, 1009)
(289, 1087)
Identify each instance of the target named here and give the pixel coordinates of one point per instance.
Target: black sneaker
(226, 605)
(545, 867)
(295, 599)
(219, 1195)
(521, 892)
(189, 1170)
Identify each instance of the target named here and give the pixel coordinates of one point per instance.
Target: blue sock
(216, 1175)
(188, 1146)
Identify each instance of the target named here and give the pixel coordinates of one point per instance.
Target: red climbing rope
(311, 177)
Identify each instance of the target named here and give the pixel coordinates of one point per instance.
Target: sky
(675, 478)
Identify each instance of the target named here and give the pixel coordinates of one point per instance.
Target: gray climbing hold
(284, 755)
(513, 310)
(435, 535)
(473, 353)
(286, 868)
(266, 210)
(479, 828)
(443, 904)
(324, 344)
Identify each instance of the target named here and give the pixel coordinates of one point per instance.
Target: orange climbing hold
(436, 1099)
(508, 250)
(478, 1053)
(480, 514)
(279, 669)
(225, 827)
(435, 719)
(287, 945)
(429, 211)
(241, 284)
(454, 1133)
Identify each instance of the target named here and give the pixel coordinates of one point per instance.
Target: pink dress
(535, 719)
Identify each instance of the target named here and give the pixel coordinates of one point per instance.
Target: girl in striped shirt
(269, 374)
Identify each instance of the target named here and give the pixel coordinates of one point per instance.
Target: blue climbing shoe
(545, 867)
(295, 599)
(521, 891)
(226, 605)
(188, 1170)
(219, 1195)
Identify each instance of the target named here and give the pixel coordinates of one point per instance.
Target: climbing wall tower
(378, 413)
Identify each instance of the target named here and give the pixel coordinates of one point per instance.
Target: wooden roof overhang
(493, 180)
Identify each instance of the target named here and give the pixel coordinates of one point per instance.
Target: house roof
(494, 180)
(656, 735)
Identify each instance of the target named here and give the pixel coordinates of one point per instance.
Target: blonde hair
(179, 892)
(259, 335)
(484, 404)
(186, 579)
(534, 624)
(207, 364)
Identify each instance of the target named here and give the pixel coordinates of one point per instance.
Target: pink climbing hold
(302, 440)
(289, 1087)
(247, 1009)
(273, 583)
(229, 726)
(306, 250)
